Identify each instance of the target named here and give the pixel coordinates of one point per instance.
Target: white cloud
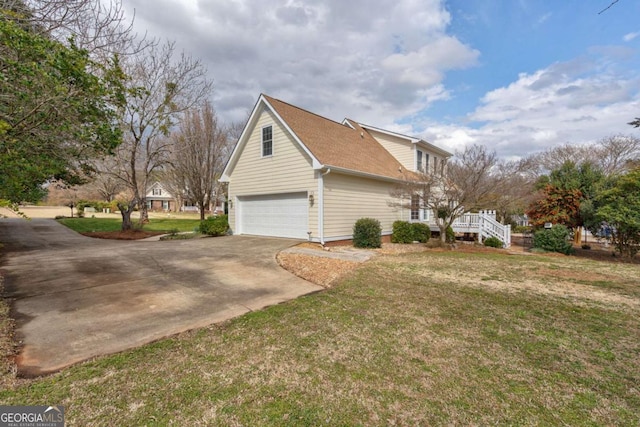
(360, 58)
(555, 105)
(385, 62)
(631, 36)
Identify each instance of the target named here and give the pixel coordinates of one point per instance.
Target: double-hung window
(415, 208)
(157, 192)
(419, 161)
(267, 141)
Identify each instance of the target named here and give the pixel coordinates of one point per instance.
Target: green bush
(367, 233)
(421, 232)
(402, 232)
(409, 232)
(450, 236)
(215, 225)
(493, 242)
(554, 239)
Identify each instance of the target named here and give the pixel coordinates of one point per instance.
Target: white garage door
(279, 215)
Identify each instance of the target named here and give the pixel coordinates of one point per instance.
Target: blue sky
(518, 76)
(524, 36)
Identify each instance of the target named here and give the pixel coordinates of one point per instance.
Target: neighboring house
(299, 175)
(159, 199)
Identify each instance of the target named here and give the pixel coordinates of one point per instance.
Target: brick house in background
(160, 200)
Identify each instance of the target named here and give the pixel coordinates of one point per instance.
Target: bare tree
(99, 26)
(161, 88)
(616, 154)
(514, 194)
(200, 151)
(555, 157)
(466, 183)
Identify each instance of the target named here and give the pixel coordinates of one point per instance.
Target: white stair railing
(483, 223)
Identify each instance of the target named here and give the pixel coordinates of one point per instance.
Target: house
(299, 175)
(159, 199)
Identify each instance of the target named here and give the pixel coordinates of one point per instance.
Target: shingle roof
(338, 145)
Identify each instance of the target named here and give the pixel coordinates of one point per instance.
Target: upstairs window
(267, 141)
(435, 165)
(157, 192)
(419, 161)
(426, 162)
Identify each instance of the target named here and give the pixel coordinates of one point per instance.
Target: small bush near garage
(493, 242)
(367, 233)
(215, 225)
(554, 239)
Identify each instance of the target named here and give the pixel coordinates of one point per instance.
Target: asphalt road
(75, 297)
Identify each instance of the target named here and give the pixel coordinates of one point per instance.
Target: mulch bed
(123, 235)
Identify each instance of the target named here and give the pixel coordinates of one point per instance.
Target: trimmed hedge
(215, 225)
(493, 242)
(402, 232)
(409, 232)
(367, 233)
(554, 239)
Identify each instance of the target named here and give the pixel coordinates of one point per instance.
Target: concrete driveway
(76, 297)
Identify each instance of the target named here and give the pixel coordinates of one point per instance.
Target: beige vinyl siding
(349, 198)
(288, 170)
(400, 148)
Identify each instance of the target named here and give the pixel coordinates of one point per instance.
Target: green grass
(83, 225)
(424, 339)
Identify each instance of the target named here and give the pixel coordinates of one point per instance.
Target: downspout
(321, 204)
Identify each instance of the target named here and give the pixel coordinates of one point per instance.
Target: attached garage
(277, 215)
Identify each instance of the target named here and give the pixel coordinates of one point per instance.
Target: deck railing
(483, 223)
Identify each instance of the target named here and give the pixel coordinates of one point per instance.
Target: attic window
(267, 141)
(157, 192)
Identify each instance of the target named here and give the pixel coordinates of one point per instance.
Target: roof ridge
(303, 109)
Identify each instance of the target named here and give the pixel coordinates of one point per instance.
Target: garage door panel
(279, 215)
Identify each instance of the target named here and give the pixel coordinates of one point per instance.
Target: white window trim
(262, 141)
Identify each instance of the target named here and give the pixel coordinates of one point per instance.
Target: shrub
(215, 225)
(402, 232)
(409, 232)
(586, 247)
(493, 242)
(521, 229)
(554, 239)
(367, 233)
(450, 235)
(421, 232)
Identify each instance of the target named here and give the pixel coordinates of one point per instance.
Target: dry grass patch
(319, 270)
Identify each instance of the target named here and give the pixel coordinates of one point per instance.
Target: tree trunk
(125, 211)
(577, 235)
(201, 205)
(443, 232)
(126, 219)
(144, 212)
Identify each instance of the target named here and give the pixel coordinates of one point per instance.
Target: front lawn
(90, 225)
(436, 338)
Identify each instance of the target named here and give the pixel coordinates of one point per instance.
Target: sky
(518, 76)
